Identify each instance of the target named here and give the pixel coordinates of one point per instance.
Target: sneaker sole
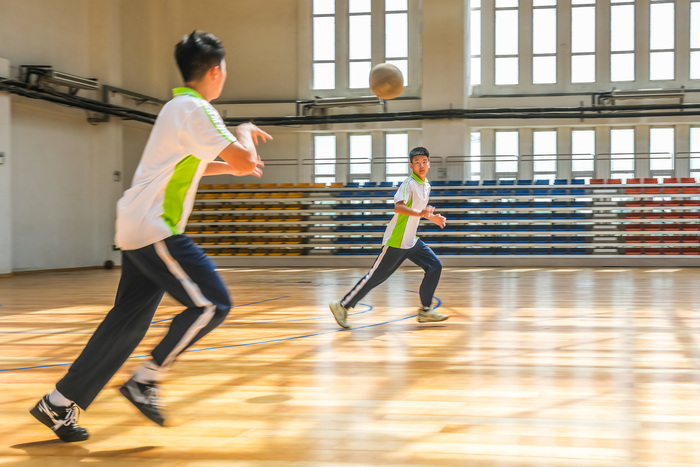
(46, 421)
(431, 320)
(125, 392)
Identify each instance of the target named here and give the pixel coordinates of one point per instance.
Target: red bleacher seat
(633, 191)
(597, 181)
(670, 191)
(613, 181)
(652, 191)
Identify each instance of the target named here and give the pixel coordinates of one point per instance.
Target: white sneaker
(339, 313)
(430, 316)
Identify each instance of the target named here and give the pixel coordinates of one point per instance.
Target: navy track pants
(174, 265)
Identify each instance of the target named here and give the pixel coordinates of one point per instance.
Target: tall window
(396, 35)
(695, 152)
(544, 144)
(621, 40)
(475, 43)
(662, 149)
(506, 154)
(622, 149)
(348, 67)
(662, 40)
(324, 158)
(360, 155)
(323, 48)
(583, 41)
(583, 153)
(475, 156)
(506, 60)
(397, 156)
(695, 40)
(359, 42)
(544, 41)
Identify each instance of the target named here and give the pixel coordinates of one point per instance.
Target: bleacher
(610, 218)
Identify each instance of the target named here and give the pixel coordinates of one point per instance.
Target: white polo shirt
(401, 231)
(187, 135)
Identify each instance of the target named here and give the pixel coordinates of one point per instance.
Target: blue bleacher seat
(561, 181)
(386, 184)
(467, 192)
(524, 182)
(352, 184)
(489, 182)
(454, 183)
(506, 182)
(504, 192)
(438, 183)
(369, 184)
(578, 181)
(541, 182)
(521, 192)
(471, 183)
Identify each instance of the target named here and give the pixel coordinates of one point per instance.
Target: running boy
(400, 243)
(156, 257)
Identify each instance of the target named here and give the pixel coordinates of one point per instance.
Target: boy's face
(420, 166)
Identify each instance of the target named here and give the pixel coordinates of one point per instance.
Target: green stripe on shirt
(400, 228)
(175, 191)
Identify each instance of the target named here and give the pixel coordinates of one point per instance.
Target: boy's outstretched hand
(438, 219)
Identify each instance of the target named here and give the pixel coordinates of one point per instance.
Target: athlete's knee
(435, 267)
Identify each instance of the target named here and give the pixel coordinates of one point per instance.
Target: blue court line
(369, 308)
(235, 306)
(282, 339)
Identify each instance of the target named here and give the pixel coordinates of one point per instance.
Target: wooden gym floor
(535, 367)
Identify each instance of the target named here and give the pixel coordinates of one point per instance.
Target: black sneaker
(144, 396)
(62, 420)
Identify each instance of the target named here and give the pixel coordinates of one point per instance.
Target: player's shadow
(57, 448)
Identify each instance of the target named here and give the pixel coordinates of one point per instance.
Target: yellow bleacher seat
(337, 184)
(286, 185)
(269, 185)
(205, 186)
(303, 185)
(252, 186)
(221, 186)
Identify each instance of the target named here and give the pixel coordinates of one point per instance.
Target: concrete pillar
(5, 177)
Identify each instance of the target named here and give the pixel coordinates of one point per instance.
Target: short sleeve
(205, 134)
(405, 192)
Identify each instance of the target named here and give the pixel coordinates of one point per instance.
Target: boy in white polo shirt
(400, 243)
(187, 137)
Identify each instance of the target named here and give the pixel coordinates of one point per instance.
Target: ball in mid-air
(386, 81)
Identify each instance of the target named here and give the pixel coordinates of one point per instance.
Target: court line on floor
(282, 339)
(235, 306)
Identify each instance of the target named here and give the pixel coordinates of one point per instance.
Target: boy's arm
(242, 155)
(218, 168)
(437, 219)
(401, 208)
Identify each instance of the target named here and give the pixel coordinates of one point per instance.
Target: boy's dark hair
(197, 53)
(419, 151)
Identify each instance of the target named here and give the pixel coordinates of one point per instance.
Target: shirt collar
(185, 91)
(417, 178)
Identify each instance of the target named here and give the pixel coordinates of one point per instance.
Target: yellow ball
(386, 81)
